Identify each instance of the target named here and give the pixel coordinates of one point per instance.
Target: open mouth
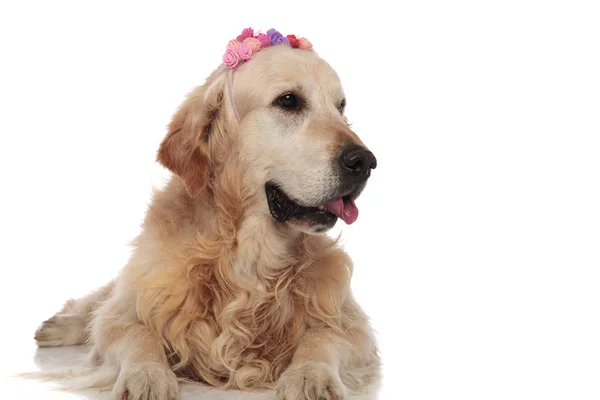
(283, 208)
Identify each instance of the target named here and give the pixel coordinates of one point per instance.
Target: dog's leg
(136, 350)
(314, 372)
(62, 330)
(144, 373)
(70, 326)
(329, 364)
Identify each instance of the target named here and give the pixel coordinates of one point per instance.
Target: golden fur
(216, 291)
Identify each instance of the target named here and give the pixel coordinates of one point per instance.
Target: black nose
(358, 161)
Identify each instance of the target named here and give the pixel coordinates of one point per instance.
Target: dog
(232, 281)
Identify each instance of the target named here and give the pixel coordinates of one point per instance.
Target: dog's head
(292, 143)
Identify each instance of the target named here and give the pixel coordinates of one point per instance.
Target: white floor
(36, 359)
(62, 357)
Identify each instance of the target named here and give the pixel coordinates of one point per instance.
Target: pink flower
(246, 33)
(232, 43)
(264, 40)
(304, 44)
(253, 43)
(245, 51)
(231, 57)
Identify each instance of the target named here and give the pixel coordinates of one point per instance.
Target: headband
(242, 48)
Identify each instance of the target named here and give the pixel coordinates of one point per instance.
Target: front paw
(146, 381)
(310, 381)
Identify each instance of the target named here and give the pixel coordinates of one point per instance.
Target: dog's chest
(249, 327)
(257, 331)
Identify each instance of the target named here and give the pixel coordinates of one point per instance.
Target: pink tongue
(344, 210)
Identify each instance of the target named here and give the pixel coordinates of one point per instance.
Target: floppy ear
(184, 151)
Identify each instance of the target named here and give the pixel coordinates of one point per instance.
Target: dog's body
(224, 286)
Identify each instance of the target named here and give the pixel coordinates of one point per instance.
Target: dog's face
(293, 143)
(295, 140)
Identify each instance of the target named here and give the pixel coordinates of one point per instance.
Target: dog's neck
(262, 247)
(265, 247)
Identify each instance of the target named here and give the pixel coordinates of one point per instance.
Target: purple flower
(276, 37)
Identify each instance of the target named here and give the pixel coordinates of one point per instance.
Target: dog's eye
(289, 101)
(342, 106)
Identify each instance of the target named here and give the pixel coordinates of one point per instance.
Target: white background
(477, 250)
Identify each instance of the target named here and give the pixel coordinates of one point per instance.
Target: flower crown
(243, 47)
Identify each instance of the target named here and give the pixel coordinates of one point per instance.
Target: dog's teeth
(321, 208)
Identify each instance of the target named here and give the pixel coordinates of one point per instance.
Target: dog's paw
(146, 381)
(61, 330)
(310, 381)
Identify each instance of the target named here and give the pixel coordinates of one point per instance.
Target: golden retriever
(232, 282)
